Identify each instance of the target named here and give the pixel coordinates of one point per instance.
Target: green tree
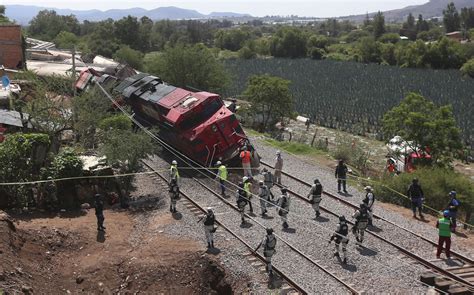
(129, 56)
(270, 98)
(409, 27)
(451, 18)
(426, 126)
(3, 18)
(127, 31)
(47, 24)
(89, 109)
(288, 42)
(379, 24)
(189, 66)
(390, 38)
(467, 18)
(66, 40)
(124, 149)
(247, 53)
(102, 40)
(369, 50)
(21, 157)
(468, 68)
(422, 25)
(233, 39)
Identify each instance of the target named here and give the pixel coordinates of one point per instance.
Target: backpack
(270, 245)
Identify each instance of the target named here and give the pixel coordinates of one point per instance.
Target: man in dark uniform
(99, 212)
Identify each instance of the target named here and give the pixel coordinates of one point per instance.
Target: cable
(172, 150)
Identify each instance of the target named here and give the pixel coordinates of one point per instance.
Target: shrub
(118, 122)
(66, 164)
(352, 151)
(436, 184)
(468, 68)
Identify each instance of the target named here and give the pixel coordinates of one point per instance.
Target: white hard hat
(174, 162)
(209, 209)
(219, 163)
(368, 188)
(278, 152)
(245, 178)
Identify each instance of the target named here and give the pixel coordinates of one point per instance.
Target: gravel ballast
(377, 268)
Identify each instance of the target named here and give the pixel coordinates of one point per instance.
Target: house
(11, 46)
(456, 35)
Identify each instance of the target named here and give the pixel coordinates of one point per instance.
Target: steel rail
(400, 248)
(346, 202)
(292, 283)
(347, 285)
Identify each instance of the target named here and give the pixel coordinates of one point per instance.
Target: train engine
(196, 123)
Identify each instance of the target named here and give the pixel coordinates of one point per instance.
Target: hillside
(430, 9)
(22, 14)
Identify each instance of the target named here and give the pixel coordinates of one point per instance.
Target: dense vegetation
(354, 96)
(373, 41)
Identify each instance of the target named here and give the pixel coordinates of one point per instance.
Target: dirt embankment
(58, 255)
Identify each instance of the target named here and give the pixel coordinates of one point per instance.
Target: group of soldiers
(244, 197)
(363, 216)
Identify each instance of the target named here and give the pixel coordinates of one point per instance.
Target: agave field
(354, 96)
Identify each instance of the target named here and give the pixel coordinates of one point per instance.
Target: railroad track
(290, 287)
(460, 275)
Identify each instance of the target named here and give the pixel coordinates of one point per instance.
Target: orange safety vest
(245, 156)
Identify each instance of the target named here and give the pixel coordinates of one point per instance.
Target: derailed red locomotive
(197, 124)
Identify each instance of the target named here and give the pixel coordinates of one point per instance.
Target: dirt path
(57, 255)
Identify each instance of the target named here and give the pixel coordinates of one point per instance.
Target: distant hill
(430, 9)
(22, 14)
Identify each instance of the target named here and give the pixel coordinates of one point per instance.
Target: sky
(327, 8)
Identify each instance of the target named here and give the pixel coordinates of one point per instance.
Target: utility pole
(74, 66)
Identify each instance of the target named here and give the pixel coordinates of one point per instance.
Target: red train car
(196, 123)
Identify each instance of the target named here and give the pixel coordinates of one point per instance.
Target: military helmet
(316, 181)
(342, 218)
(452, 193)
(284, 190)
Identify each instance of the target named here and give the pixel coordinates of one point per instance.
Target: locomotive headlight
(214, 128)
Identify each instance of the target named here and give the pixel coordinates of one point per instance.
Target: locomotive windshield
(198, 118)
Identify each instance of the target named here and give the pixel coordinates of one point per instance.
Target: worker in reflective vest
(174, 173)
(246, 158)
(222, 176)
(445, 226)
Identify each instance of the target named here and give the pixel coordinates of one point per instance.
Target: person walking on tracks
(269, 244)
(99, 212)
(315, 196)
(453, 208)
(174, 173)
(246, 158)
(268, 181)
(341, 175)
(241, 201)
(174, 195)
(369, 202)
(340, 238)
(264, 195)
(278, 167)
(362, 219)
(283, 206)
(415, 193)
(248, 191)
(209, 227)
(222, 176)
(445, 227)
